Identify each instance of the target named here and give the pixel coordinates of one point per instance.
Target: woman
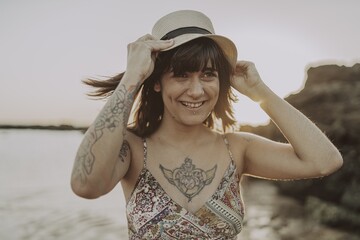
(178, 160)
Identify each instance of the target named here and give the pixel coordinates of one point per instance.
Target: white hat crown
(186, 25)
(181, 19)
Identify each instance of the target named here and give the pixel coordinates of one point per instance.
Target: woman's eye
(180, 75)
(210, 74)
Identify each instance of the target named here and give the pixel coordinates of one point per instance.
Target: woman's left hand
(247, 80)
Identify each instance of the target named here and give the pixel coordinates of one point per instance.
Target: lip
(192, 105)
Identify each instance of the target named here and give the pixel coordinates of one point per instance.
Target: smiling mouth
(192, 105)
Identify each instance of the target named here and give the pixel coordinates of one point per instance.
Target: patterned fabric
(152, 214)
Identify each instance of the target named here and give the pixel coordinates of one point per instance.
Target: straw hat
(186, 25)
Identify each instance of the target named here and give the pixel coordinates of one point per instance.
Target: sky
(48, 46)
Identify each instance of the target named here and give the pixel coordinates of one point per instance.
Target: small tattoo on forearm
(189, 179)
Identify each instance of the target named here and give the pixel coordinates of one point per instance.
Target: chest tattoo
(189, 179)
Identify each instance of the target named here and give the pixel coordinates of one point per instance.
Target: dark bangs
(193, 56)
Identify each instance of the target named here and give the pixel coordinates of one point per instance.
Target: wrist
(136, 75)
(269, 100)
(132, 80)
(127, 89)
(260, 92)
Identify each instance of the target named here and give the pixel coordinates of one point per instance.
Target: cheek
(214, 89)
(168, 95)
(172, 90)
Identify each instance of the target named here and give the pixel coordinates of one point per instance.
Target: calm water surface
(36, 201)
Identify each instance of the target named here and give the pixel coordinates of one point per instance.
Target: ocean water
(36, 201)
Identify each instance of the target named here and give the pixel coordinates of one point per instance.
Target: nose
(195, 89)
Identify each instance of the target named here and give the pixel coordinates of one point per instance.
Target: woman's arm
(104, 155)
(309, 152)
(99, 151)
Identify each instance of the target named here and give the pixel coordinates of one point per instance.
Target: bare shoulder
(132, 138)
(241, 138)
(238, 143)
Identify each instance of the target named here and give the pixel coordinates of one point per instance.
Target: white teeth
(192, 105)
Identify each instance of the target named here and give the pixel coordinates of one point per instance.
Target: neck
(182, 134)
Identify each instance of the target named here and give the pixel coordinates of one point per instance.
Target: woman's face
(189, 97)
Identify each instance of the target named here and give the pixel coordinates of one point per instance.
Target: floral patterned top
(152, 214)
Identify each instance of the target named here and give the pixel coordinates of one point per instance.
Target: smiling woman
(190, 77)
(180, 173)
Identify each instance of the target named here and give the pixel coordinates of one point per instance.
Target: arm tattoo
(123, 154)
(189, 179)
(124, 151)
(115, 113)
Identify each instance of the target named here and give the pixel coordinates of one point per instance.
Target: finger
(241, 69)
(158, 45)
(243, 62)
(146, 37)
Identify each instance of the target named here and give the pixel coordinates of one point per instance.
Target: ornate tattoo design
(123, 154)
(124, 151)
(116, 112)
(189, 179)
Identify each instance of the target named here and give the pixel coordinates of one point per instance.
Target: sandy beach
(36, 202)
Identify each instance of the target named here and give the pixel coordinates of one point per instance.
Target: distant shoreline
(65, 127)
(62, 127)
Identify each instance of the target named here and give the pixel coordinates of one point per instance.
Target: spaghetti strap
(228, 148)
(145, 151)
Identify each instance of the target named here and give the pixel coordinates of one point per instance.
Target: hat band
(184, 30)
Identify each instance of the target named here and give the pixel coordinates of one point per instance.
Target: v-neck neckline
(230, 167)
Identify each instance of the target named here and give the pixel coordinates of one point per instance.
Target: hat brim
(225, 44)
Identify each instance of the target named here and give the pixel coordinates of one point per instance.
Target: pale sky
(48, 46)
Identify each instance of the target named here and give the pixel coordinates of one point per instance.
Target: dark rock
(331, 99)
(332, 214)
(351, 196)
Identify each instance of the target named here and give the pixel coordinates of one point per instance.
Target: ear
(157, 87)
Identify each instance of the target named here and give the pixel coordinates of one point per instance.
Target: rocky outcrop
(330, 98)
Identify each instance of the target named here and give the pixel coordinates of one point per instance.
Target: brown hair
(189, 57)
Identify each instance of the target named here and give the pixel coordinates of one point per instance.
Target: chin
(193, 120)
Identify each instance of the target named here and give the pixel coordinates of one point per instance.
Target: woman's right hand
(142, 54)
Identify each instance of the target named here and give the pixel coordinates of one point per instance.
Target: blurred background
(308, 52)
